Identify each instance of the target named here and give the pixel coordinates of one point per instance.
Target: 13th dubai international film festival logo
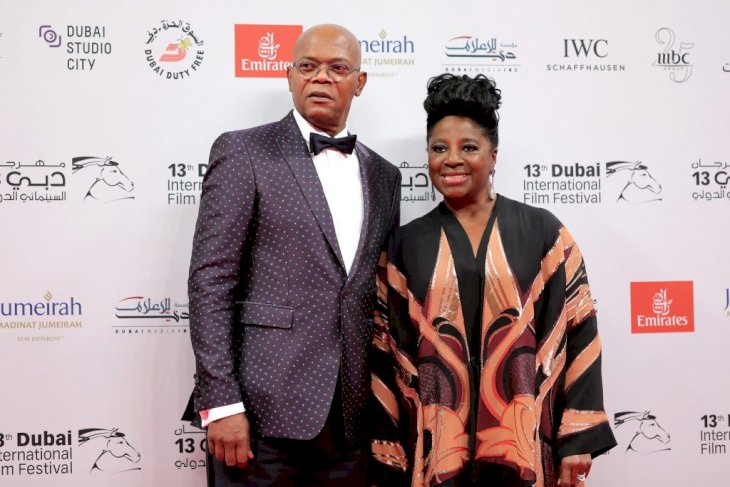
(475, 54)
(101, 179)
(662, 307)
(639, 432)
(710, 180)
(620, 182)
(264, 51)
(675, 57)
(415, 184)
(48, 319)
(96, 451)
(141, 315)
(185, 183)
(191, 444)
(173, 50)
(32, 182)
(586, 56)
(111, 449)
(83, 44)
(386, 56)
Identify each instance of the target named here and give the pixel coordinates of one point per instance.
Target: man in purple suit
(292, 218)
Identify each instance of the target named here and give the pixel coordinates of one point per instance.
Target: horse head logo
(638, 186)
(110, 184)
(116, 454)
(648, 435)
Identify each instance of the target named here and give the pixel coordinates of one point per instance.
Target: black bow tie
(318, 143)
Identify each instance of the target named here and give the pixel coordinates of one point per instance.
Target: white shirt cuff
(214, 414)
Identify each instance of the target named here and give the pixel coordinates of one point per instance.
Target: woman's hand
(574, 470)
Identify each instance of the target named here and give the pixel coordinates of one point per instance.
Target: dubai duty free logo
(173, 50)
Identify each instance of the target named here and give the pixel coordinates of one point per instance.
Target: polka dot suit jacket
(274, 318)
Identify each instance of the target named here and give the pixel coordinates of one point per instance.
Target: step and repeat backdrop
(615, 117)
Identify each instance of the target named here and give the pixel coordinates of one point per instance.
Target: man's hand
(229, 441)
(574, 470)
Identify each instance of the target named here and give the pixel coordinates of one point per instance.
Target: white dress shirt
(340, 177)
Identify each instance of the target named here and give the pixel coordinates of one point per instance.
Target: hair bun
(477, 98)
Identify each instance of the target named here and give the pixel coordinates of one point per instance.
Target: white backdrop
(615, 117)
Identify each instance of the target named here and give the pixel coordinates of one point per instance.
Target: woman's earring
(492, 193)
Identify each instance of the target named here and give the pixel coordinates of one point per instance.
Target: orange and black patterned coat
(486, 367)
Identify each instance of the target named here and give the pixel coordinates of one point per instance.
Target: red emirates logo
(265, 51)
(662, 307)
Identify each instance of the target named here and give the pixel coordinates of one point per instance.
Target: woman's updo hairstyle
(477, 98)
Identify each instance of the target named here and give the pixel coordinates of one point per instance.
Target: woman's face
(460, 159)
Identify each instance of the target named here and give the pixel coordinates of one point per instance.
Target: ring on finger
(581, 477)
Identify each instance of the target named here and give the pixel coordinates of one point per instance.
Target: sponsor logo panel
(141, 315)
(173, 50)
(85, 45)
(387, 55)
(264, 51)
(662, 307)
(675, 57)
(48, 319)
(474, 54)
(585, 55)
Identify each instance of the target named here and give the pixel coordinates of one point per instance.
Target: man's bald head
(323, 102)
(331, 35)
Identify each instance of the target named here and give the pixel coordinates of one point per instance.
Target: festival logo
(173, 50)
(32, 182)
(727, 303)
(141, 315)
(640, 432)
(191, 446)
(674, 57)
(36, 318)
(585, 55)
(662, 307)
(35, 454)
(566, 184)
(103, 179)
(631, 182)
(185, 184)
(711, 180)
(49, 35)
(415, 184)
(111, 449)
(264, 51)
(384, 56)
(469, 54)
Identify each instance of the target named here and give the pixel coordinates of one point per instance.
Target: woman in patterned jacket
(486, 367)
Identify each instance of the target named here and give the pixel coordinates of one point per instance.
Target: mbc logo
(584, 47)
(672, 58)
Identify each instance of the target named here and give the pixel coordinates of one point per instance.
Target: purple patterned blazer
(274, 318)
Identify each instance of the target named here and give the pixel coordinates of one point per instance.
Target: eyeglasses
(336, 72)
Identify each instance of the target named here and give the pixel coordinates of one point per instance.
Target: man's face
(322, 102)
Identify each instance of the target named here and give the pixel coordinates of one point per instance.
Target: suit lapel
(295, 151)
(372, 199)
